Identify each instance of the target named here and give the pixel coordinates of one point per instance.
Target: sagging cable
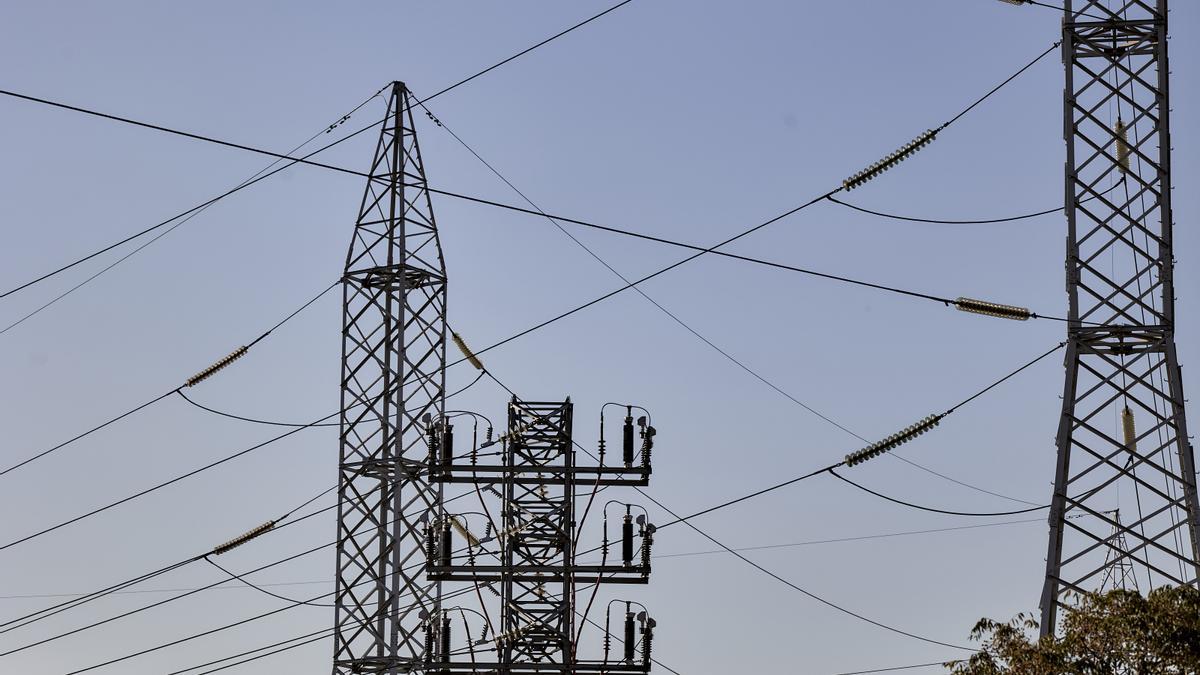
(243, 538)
(993, 309)
(212, 370)
(467, 353)
(891, 160)
(894, 441)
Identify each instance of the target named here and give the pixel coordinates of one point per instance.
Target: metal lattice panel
(393, 361)
(1122, 440)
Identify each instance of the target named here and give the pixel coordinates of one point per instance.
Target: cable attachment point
(212, 370)
(993, 309)
(891, 160)
(470, 355)
(892, 442)
(241, 539)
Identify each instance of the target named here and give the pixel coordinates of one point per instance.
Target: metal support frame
(536, 576)
(393, 364)
(1121, 364)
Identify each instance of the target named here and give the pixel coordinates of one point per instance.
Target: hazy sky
(692, 120)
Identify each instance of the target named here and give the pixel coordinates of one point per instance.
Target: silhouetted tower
(1121, 336)
(393, 363)
(1118, 568)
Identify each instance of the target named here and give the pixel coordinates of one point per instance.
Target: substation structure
(467, 560)
(1123, 443)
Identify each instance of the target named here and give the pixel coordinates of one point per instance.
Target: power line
(176, 390)
(291, 160)
(895, 668)
(943, 300)
(658, 556)
(188, 213)
(687, 521)
(162, 485)
(938, 221)
(527, 50)
(276, 423)
(935, 510)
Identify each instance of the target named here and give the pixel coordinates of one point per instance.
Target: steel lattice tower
(1121, 361)
(393, 363)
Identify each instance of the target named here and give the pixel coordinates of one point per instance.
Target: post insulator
(627, 441)
(630, 637)
(447, 444)
(627, 540)
(447, 543)
(430, 544)
(445, 638)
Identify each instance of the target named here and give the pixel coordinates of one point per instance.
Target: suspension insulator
(895, 440)
(1128, 430)
(1122, 133)
(445, 638)
(627, 441)
(466, 351)
(212, 370)
(241, 539)
(627, 540)
(630, 637)
(891, 160)
(993, 309)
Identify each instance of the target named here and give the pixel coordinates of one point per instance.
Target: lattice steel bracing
(1122, 438)
(393, 359)
(526, 556)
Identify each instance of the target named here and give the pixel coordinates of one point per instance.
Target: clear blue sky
(689, 120)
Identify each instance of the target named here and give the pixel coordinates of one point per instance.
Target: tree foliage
(1116, 633)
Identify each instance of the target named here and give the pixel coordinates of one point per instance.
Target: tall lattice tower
(1121, 358)
(393, 363)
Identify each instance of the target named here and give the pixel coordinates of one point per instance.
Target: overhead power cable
(874, 170)
(291, 160)
(276, 423)
(963, 304)
(687, 521)
(938, 221)
(901, 502)
(159, 486)
(539, 211)
(893, 669)
(190, 382)
(280, 523)
(658, 556)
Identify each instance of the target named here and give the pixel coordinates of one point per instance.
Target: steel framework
(530, 552)
(393, 363)
(1122, 434)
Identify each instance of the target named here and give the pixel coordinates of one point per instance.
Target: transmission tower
(519, 553)
(393, 363)
(1118, 569)
(1121, 356)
